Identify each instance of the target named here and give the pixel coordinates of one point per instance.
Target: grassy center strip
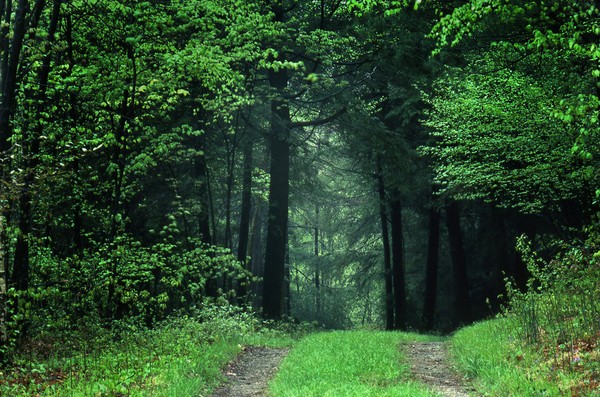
(349, 363)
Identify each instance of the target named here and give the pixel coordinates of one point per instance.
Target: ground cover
(499, 364)
(349, 363)
(182, 357)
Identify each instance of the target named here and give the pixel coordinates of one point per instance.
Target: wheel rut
(430, 365)
(249, 373)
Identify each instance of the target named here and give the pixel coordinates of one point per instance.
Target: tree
(273, 294)
(503, 147)
(387, 263)
(282, 125)
(431, 269)
(541, 63)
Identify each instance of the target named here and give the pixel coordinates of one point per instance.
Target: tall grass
(497, 365)
(182, 357)
(546, 344)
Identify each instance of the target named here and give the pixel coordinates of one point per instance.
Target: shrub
(559, 315)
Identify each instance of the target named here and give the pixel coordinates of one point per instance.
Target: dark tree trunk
(387, 261)
(287, 280)
(201, 174)
(462, 301)
(431, 272)
(501, 253)
(5, 17)
(202, 178)
(20, 273)
(114, 309)
(120, 154)
(245, 219)
(77, 217)
(273, 302)
(231, 156)
(317, 269)
(74, 120)
(256, 251)
(12, 48)
(3, 290)
(398, 263)
(31, 147)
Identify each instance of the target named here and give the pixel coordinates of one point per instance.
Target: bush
(559, 315)
(120, 286)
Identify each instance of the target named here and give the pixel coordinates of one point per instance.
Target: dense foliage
(345, 162)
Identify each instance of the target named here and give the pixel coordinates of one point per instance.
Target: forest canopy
(350, 163)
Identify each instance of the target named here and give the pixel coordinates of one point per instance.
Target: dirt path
(429, 364)
(249, 373)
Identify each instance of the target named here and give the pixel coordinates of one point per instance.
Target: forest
(291, 167)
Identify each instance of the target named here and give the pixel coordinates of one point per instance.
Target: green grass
(499, 365)
(183, 357)
(165, 362)
(347, 364)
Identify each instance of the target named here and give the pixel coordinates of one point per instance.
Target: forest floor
(430, 365)
(249, 373)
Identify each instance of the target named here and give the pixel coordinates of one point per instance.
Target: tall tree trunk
(3, 290)
(287, 282)
(317, 267)
(201, 174)
(9, 69)
(256, 251)
(125, 113)
(113, 309)
(273, 302)
(12, 44)
(242, 254)
(501, 253)
(431, 272)
(462, 301)
(74, 120)
(387, 261)
(398, 263)
(5, 17)
(231, 156)
(204, 230)
(30, 148)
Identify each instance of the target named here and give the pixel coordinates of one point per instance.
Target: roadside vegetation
(183, 356)
(546, 344)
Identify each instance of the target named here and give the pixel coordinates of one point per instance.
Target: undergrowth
(546, 343)
(183, 356)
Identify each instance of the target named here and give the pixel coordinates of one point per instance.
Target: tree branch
(300, 124)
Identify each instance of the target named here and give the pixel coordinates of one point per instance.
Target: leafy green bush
(547, 341)
(560, 312)
(121, 285)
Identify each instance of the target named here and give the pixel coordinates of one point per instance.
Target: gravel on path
(248, 374)
(429, 364)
